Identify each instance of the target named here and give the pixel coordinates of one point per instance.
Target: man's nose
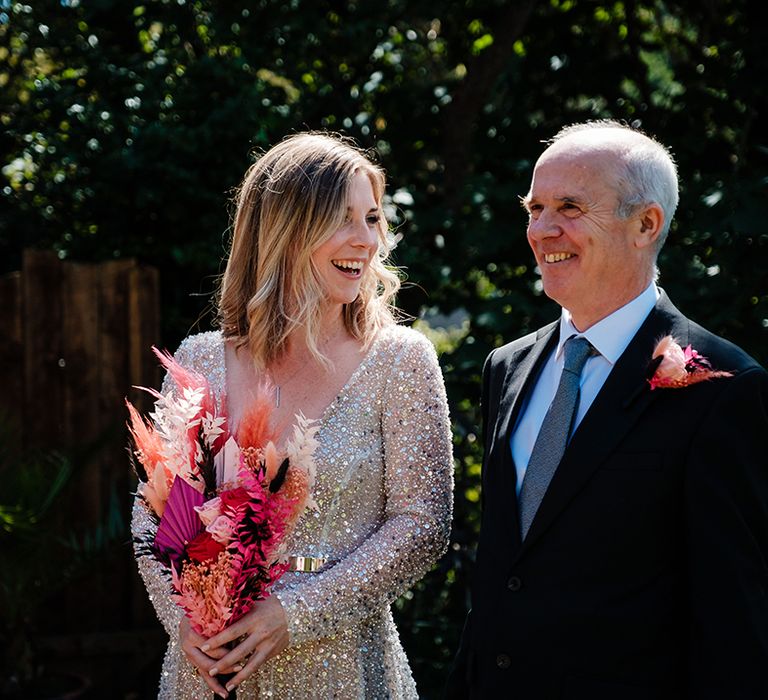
(543, 226)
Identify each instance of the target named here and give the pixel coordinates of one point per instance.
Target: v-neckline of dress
(328, 411)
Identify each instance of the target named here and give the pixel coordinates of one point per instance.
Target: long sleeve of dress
(156, 576)
(418, 485)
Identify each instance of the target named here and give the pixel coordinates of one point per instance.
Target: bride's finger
(218, 653)
(214, 685)
(239, 629)
(237, 658)
(201, 663)
(256, 659)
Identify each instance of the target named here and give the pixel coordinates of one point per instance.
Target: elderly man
(623, 549)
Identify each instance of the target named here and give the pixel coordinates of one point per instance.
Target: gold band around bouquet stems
(306, 564)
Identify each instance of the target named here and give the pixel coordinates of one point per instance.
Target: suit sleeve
(727, 537)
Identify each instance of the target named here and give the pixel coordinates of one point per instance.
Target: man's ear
(651, 221)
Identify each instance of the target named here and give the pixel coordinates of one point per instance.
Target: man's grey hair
(650, 173)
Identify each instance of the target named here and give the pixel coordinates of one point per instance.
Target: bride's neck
(331, 328)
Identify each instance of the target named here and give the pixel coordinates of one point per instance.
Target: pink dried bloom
(295, 491)
(151, 496)
(672, 366)
(148, 444)
(272, 461)
(680, 368)
(255, 428)
(222, 529)
(204, 591)
(209, 511)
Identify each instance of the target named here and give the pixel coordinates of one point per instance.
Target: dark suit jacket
(645, 571)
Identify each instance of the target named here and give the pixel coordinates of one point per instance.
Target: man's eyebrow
(526, 200)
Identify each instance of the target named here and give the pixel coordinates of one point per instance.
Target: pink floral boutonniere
(673, 367)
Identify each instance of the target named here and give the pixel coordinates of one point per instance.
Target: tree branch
(483, 71)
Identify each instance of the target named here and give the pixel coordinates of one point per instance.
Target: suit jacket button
(515, 583)
(503, 661)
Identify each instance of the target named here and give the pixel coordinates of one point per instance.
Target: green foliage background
(125, 127)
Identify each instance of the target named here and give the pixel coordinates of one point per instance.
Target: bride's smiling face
(343, 259)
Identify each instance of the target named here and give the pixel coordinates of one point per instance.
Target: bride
(306, 301)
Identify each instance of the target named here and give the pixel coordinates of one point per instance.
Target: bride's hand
(261, 634)
(191, 643)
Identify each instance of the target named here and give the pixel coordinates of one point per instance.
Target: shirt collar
(611, 335)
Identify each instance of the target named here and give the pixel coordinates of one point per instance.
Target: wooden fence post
(42, 344)
(75, 339)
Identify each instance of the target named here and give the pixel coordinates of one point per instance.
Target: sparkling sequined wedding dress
(384, 482)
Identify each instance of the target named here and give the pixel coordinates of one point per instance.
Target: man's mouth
(353, 268)
(558, 257)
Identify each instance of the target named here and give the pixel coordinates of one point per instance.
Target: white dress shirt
(610, 338)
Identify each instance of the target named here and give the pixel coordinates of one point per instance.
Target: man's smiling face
(586, 253)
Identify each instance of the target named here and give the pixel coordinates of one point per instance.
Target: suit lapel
(618, 405)
(517, 381)
(521, 371)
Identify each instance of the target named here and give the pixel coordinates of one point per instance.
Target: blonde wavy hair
(293, 199)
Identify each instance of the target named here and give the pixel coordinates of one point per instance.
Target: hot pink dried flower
(680, 367)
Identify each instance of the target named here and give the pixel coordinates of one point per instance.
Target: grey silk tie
(553, 436)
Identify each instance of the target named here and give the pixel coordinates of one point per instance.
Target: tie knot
(576, 351)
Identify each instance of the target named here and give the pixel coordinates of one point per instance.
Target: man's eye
(570, 210)
(534, 211)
